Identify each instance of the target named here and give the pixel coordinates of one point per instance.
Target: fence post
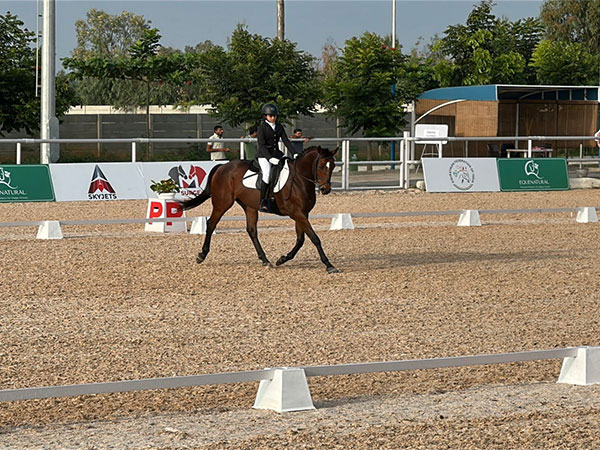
(18, 153)
(402, 163)
(407, 151)
(529, 151)
(133, 156)
(346, 160)
(242, 150)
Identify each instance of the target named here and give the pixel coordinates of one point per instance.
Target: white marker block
(583, 369)
(198, 226)
(50, 229)
(286, 391)
(469, 218)
(342, 222)
(587, 214)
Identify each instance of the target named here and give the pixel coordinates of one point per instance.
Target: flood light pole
(48, 120)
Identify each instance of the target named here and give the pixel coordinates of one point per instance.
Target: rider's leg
(265, 168)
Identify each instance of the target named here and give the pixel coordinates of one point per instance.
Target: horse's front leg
(297, 247)
(251, 228)
(305, 225)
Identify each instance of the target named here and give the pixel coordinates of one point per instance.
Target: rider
(268, 153)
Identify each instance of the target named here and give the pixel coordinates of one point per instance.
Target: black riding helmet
(269, 109)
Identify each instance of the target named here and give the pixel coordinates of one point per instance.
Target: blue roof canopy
(495, 92)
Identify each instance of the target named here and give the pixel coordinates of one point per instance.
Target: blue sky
(309, 23)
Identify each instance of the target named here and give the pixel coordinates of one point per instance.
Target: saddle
(278, 177)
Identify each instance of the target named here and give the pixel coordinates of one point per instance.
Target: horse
(296, 199)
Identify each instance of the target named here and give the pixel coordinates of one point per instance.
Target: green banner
(24, 183)
(539, 174)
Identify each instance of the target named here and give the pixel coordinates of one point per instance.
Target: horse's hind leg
(211, 224)
(251, 228)
(297, 247)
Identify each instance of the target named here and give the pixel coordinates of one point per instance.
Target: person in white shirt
(217, 149)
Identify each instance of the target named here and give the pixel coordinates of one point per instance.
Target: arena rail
(588, 212)
(285, 389)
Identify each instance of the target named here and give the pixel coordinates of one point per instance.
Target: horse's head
(325, 164)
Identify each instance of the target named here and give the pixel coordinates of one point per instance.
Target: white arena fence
(406, 151)
(285, 389)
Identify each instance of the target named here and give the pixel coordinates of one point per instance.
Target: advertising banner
(190, 176)
(98, 181)
(538, 174)
(461, 174)
(25, 183)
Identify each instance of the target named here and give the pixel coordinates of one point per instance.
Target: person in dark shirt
(268, 154)
(299, 146)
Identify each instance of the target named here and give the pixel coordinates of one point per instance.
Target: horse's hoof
(280, 261)
(332, 270)
(267, 264)
(200, 258)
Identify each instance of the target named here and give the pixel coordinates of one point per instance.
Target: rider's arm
(287, 142)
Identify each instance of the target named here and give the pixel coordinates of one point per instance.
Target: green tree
(19, 106)
(559, 62)
(143, 64)
(573, 21)
(253, 71)
(487, 49)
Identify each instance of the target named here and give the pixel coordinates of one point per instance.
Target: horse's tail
(205, 195)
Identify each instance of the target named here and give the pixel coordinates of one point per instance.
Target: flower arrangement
(164, 186)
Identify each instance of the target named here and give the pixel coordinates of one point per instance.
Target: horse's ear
(334, 151)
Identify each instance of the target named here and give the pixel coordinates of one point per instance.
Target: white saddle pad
(251, 178)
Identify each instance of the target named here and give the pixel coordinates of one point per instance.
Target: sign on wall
(539, 174)
(98, 181)
(25, 183)
(461, 174)
(190, 176)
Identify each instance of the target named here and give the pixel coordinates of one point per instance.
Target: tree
(573, 21)
(143, 64)
(487, 49)
(19, 106)
(358, 89)
(254, 71)
(559, 62)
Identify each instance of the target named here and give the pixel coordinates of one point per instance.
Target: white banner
(461, 174)
(97, 181)
(190, 176)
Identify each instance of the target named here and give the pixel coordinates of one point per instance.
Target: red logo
(100, 184)
(190, 182)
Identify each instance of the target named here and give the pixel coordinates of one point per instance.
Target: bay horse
(296, 199)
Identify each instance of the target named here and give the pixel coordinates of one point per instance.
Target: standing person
(217, 149)
(268, 153)
(250, 147)
(299, 146)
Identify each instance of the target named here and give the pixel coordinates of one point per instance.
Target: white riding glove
(274, 161)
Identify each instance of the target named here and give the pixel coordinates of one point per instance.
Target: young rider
(268, 153)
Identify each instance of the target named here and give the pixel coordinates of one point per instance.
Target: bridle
(314, 171)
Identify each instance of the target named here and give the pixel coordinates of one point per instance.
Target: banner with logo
(190, 176)
(461, 174)
(25, 183)
(539, 174)
(98, 181)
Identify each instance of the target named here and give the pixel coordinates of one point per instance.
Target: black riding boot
(264, 192)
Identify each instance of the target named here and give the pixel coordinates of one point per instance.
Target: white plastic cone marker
(50, 229)
(342, 222)
(286, 391)
(469, 218)
(198, 226)
(583, 369)
(587, 214)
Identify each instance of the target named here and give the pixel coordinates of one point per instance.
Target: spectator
(299, 146)
(217, 149)
(250, 147)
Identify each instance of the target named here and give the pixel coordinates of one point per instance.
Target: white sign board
(461, 174)
(433, 131)
(97, 181)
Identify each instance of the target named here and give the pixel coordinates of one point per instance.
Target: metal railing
(407, 157)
